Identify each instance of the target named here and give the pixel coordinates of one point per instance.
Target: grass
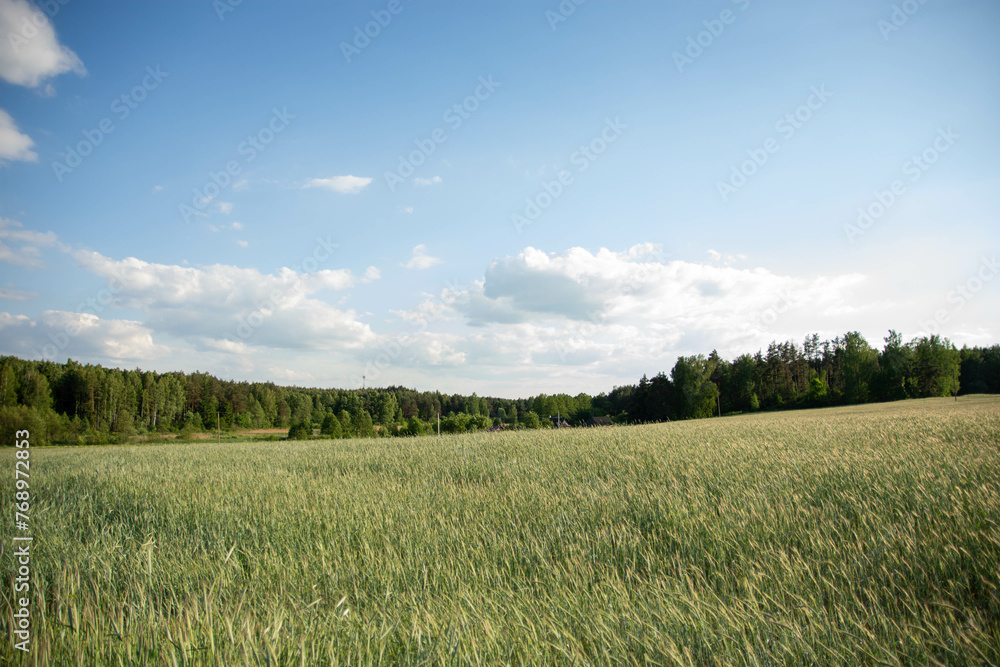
(864, 535)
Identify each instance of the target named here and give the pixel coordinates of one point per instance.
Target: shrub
(300, 430)
(331, 427)
(15, 418)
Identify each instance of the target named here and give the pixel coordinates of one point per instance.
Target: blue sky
(618, 184)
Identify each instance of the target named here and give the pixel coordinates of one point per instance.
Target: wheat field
(863, 535)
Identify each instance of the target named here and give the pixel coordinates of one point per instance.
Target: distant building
(560, 422)
(600, 421)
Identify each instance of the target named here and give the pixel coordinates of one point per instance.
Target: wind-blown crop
(865, 535)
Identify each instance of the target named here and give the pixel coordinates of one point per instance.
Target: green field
(863, 535)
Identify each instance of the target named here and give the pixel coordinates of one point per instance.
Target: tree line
(845, 370)
(90, 404)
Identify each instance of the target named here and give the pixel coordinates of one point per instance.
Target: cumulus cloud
(582, 319)
(225, 207)
(607, 311)
(30, 52)
(224, 302)
(348, 185)
(58, 334)
(14, 146)
(420, 258)
(614, 286)
(426, 181)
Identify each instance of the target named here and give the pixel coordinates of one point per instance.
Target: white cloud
(334, 279)
(11, 294)
(426, 181)
(222, 345)
(727, 259)
(605, 314)
(371, 274)
(58, 334)
(223, 302)
(225, 207)
(420, 259)
(637, 286)
(242, 244)
(157, 188)
(236, 225)
(292, 376)
(27, 254)
(408, 209)
(348, 185)
(14, 145)
(30, 52)
(437, 350)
